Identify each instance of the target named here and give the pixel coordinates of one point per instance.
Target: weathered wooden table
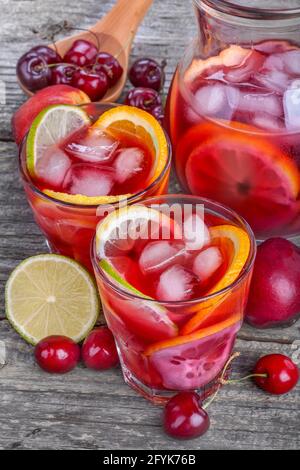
(86, 410)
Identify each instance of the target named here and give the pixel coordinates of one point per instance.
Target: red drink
(234, 124)
(86, 172)
(174, 303)
(97, 163)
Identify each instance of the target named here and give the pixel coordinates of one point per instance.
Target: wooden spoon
(115, 32)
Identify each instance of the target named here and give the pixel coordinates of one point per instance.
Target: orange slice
(230, 57)
(82, 200)
(204, 332)
(229, 234)
(128, 119)
(236, 241)
(242, 170)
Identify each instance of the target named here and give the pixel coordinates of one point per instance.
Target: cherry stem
(87, 31)
(233, 381)
(63, 63)
(221, 379)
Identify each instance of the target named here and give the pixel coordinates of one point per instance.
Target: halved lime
(51, 126)
(51, 295)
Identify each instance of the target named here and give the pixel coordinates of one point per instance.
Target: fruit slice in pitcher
(244, 172)
(189, 362)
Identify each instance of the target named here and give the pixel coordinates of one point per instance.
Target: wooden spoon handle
(123, 19)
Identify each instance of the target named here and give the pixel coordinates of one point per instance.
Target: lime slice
(107, 267)
(51, 295)
(144, 316)
(51, 126)
(128, 220)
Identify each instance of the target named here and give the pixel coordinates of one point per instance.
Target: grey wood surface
(86, 410)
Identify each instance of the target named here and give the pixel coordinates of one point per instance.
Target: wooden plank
(91, 410)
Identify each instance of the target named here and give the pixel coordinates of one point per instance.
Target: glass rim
(134, 197)
(231, 8)
(217, 206)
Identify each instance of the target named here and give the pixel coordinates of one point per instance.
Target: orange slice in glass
(235, 241)
(201, 333)
(128, 119)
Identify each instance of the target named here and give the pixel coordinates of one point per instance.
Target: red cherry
(107, 63)
(33, 71)
(57, 354)
(147, 73)
(281, 373)
(95, 85)
(81, 53)
(184, 418)
(32, 67)
(63, 74)
(99, 350)
(50, 55)
(143, 98)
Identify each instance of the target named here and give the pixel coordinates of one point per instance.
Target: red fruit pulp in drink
(93, 162)
(235, 128)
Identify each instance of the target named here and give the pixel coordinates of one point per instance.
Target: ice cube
(211, 100)
(207, 262)
(176, 284)
(291, 105)
(195, 232)
(291, 61)
(274, 62)
(267, 122)
(88, 180)
(156, 256)
(53, 166)
(94, 146)
(256, 102)
(128, 162)
(273, 80)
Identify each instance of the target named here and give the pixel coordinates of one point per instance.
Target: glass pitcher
(233, 111)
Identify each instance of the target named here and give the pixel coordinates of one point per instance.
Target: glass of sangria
(233, 112)
(173, 274)
(89, 160)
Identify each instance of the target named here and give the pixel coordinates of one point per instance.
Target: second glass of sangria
(78, 162)
(173, 273)
(234, 112)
